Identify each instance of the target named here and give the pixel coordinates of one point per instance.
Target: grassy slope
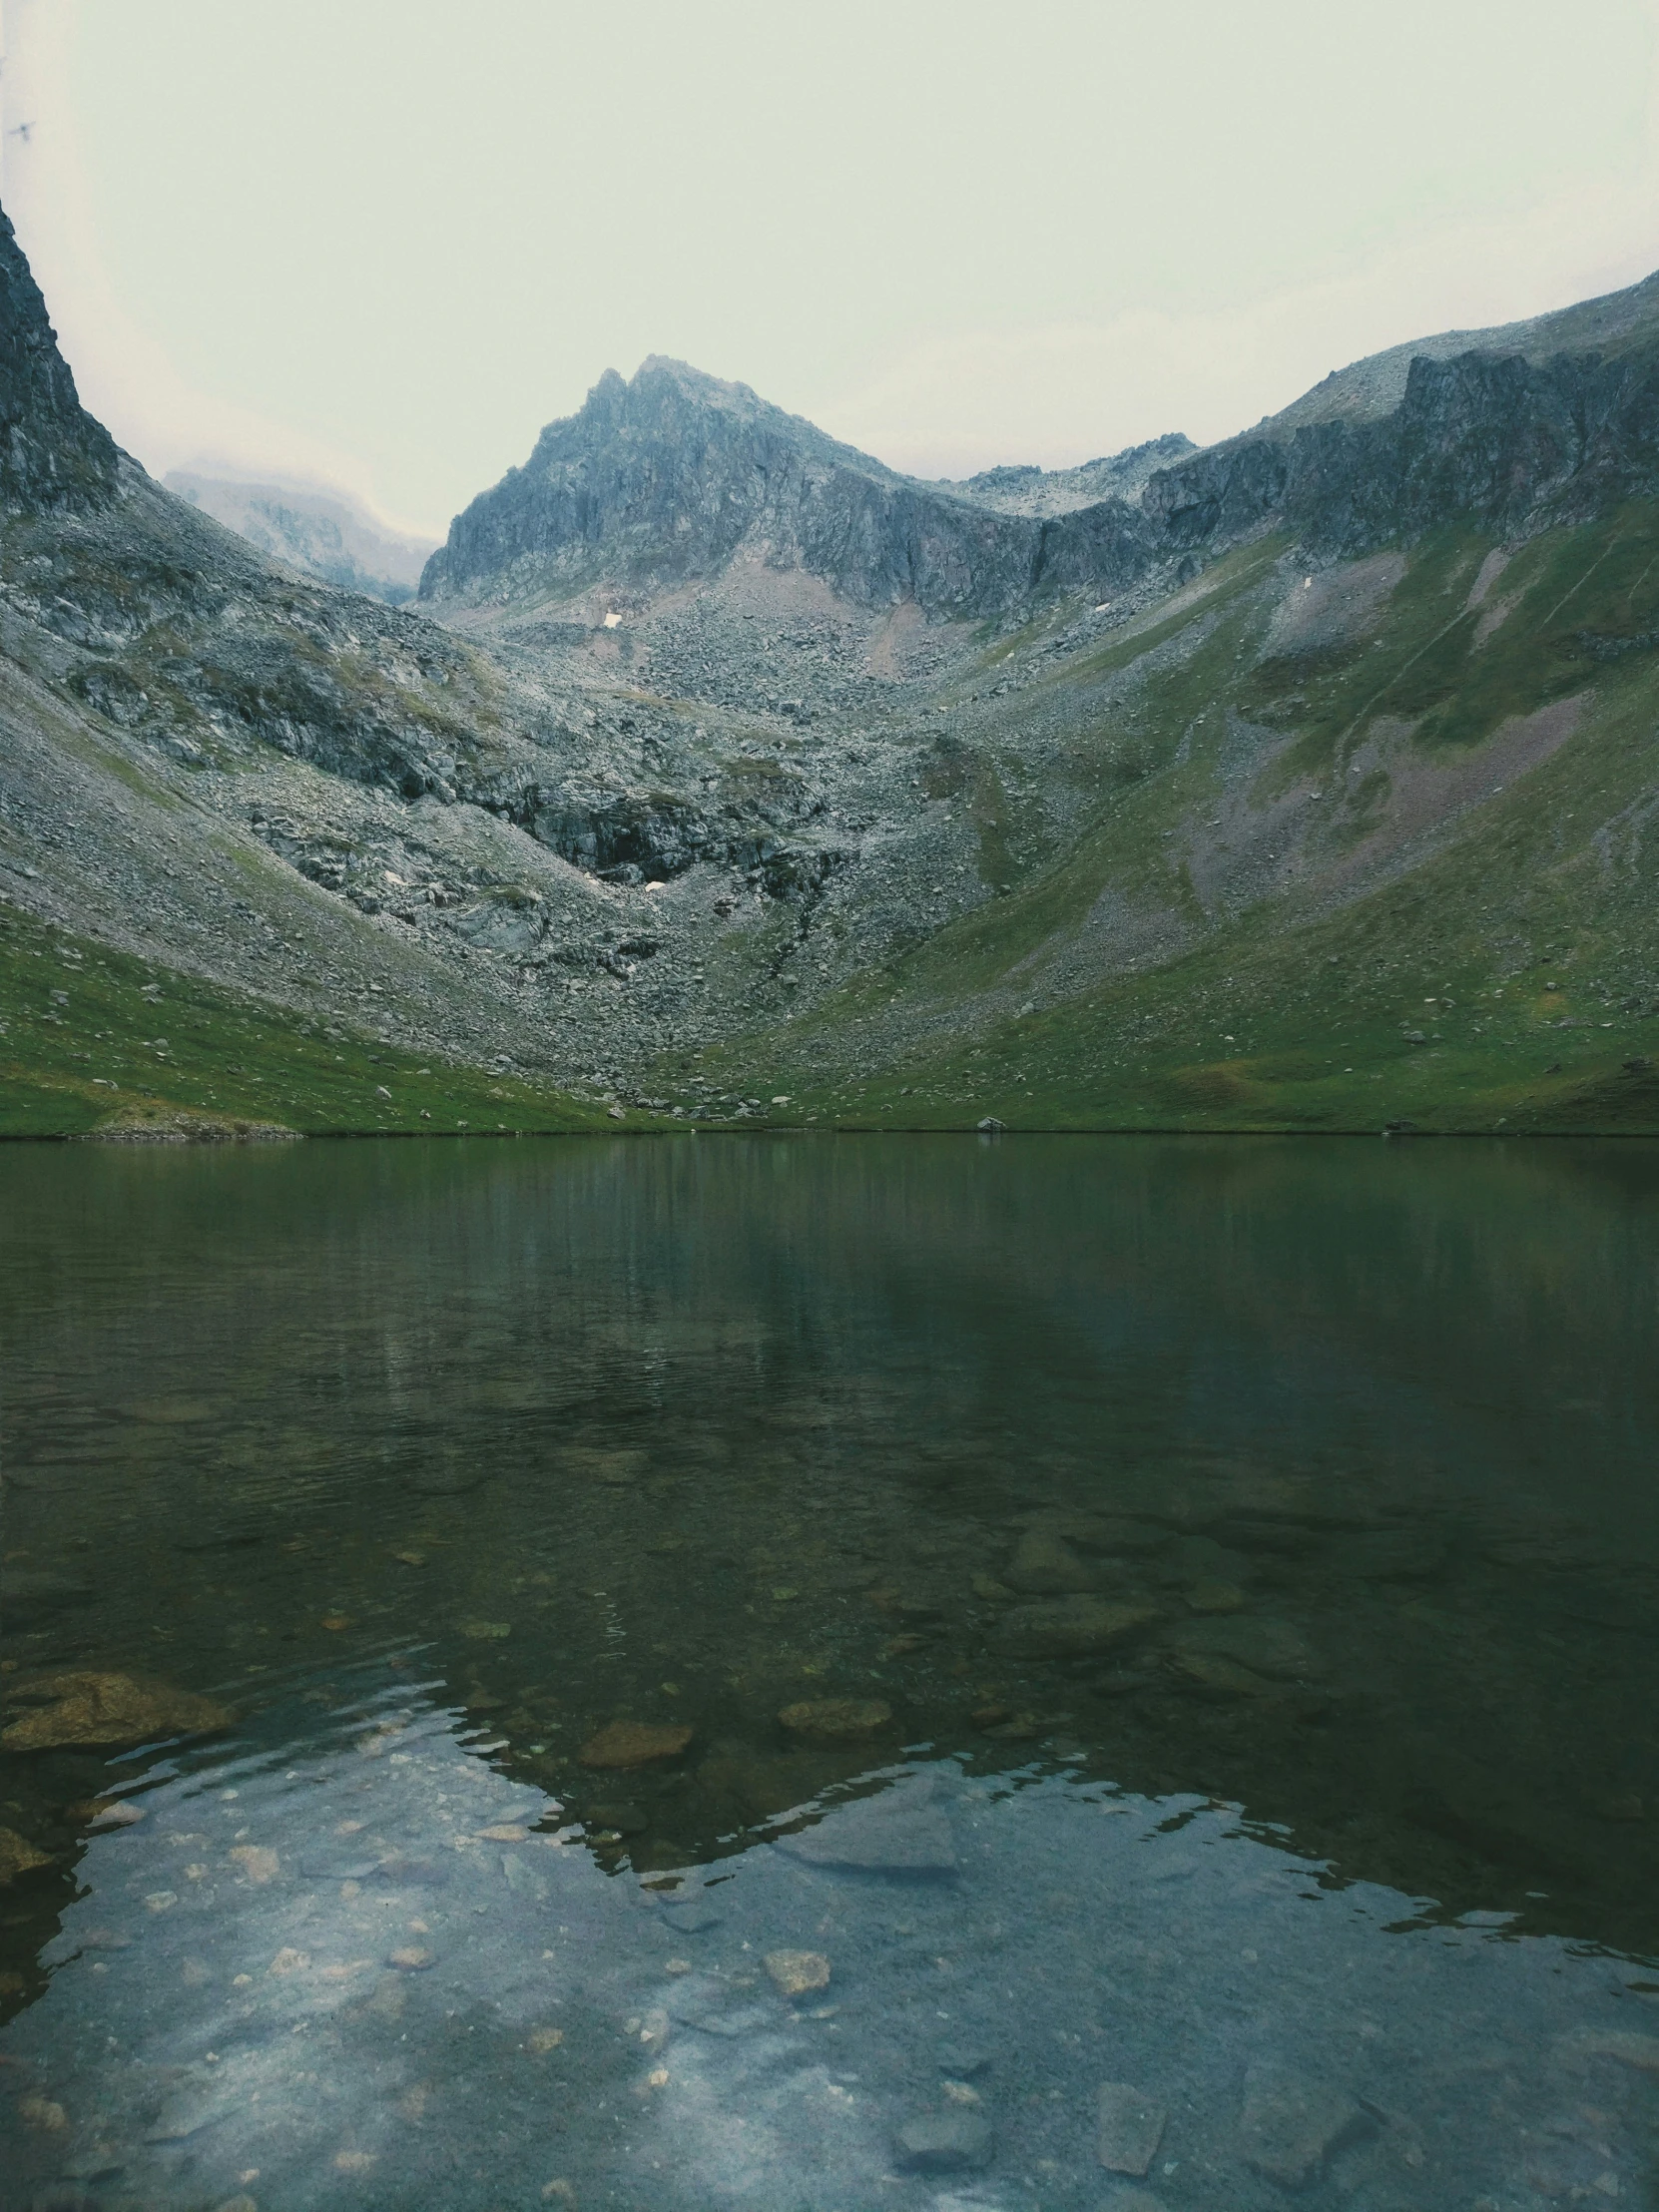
(228, 1061)
(1293, 1014)
(1289, 1013)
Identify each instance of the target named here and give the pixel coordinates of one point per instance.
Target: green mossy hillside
(93, 1041)
(1453, 923)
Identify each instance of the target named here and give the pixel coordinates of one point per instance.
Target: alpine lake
(826, 1673)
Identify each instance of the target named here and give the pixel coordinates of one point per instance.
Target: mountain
(1553, 419)
(322, 534)
(669, 479)
(720, 774)
(1053, 491)
(53, 456)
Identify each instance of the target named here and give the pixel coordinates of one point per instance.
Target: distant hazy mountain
(323, 535)
(1031, 490)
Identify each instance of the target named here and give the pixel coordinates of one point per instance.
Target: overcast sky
(381, 242)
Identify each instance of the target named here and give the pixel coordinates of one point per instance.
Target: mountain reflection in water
(769, 1672)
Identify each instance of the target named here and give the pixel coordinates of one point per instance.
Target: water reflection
(803, 1674)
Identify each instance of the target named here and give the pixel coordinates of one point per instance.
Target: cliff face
(53, 456)
(666, 480)
(663, 479)
(1491, 437)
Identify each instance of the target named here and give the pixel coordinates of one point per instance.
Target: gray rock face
(944, 2143)
(1508, 433)
(53, 456)
(1053, 491)
(667, 478)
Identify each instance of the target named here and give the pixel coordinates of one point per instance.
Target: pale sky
(380, 243)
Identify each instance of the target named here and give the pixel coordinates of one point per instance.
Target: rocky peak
(661, 479)
(667, 478)
(53, 454)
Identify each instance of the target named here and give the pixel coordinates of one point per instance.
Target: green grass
(89, 1061)
(1294, 1013)
(1291, 1013)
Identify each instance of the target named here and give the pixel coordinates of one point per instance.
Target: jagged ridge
(665, 479)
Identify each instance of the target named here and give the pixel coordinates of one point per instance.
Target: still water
(829, 1674)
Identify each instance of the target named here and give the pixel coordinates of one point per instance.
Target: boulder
(1046, 1565)
(109, 1712)
(944, 2143)
(18, 1856)
(1072, 1628)
(837, 1719)
(635, 1744)
(1289, 2126)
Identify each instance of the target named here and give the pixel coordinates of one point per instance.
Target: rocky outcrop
(663, 480)
(53, 454)
(1053, 491)
(668, 479)
(1493, 437)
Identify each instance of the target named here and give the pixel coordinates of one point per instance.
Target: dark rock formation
(665, 480)
(662, 480)
(53, 454)
(1492, 437)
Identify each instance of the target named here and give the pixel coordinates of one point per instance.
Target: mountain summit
(668, 478)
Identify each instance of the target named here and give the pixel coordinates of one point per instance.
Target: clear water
(1255, 1544)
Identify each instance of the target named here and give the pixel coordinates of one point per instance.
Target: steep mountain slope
(328, 537)
(53, 456)
(723, 775)
(1547, 420)
(668, 479)
(1368, 846)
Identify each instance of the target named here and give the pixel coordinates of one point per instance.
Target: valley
(720, 774)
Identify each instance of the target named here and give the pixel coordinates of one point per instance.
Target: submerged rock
(798, 1972)
(1047, 1565)
(1289, 2126)
(944, 2143)
(899, 1832)
(1266, 1647)
(1071, 1626)
(837, 1719)
(626, 1819)
(634, 1744)
(1214, 1677)
(1131, 2128)
(110, 1712)
(18, 1856)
